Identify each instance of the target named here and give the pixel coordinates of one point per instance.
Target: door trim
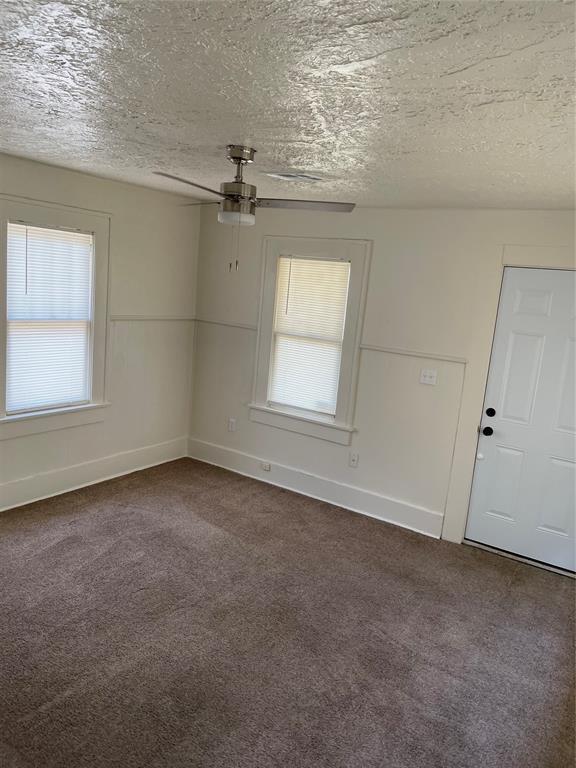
(485, 388)
(496, 258)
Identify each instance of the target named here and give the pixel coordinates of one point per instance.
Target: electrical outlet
(354, 459)
(429, 376)
(265, 466)
(231, 424)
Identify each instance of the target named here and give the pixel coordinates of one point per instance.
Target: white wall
(432, 300)
(153, 259)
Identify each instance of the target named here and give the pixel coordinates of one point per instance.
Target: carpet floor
(186, 616)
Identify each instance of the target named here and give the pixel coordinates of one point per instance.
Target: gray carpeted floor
(185, 616)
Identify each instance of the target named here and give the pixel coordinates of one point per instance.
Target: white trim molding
(538, 257)
(24, 424)
(389, 510)
(227, 324)
(324, 430)
(412, 353)
(152, 318)
(25, 490)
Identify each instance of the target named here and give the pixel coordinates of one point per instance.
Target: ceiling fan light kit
(239, 201)
(242, 212)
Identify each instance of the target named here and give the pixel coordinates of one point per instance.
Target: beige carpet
(185, 616)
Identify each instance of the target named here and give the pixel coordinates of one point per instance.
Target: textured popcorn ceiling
(393, 103)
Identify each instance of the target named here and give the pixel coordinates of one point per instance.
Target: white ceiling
(394, 103)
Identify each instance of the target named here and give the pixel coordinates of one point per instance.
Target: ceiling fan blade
(206, 202)
(191, 183)
(306, 205)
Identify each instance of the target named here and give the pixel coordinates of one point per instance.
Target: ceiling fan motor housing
(240, 197)
(238, 189)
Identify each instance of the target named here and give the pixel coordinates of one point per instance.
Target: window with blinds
(49, 318)
(308, 330)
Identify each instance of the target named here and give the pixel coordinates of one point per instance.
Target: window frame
(337, 428)
(45, 215)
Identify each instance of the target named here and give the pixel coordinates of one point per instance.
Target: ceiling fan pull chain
(237, 228)
(289, 283)
(26, 265)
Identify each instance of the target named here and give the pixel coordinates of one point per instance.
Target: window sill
(303, 425)
(23, 424)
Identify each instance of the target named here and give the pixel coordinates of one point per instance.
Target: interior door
(524, 481)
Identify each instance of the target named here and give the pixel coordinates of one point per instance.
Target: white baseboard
(15, 493)
(350, 497)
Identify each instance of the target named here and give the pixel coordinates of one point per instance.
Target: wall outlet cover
(429, 376)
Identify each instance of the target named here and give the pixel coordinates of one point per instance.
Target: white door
(524, 481)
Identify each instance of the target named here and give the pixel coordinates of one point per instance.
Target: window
(312, 302)
(53, 323)
(49, 318)
(309, 315)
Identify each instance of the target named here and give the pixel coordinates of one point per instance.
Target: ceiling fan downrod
(240, 156)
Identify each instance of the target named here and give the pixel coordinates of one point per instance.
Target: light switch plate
(429, 376)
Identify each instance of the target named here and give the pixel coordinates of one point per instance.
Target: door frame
(476, 374)
(486, 377)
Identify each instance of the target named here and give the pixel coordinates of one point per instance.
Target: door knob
(490, 412)
(487, 431)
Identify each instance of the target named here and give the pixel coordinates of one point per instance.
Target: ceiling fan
(239, 202)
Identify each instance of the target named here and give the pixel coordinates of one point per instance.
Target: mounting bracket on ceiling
(240, 156)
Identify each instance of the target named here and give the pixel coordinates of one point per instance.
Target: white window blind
(309, 318)
(49, 317)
